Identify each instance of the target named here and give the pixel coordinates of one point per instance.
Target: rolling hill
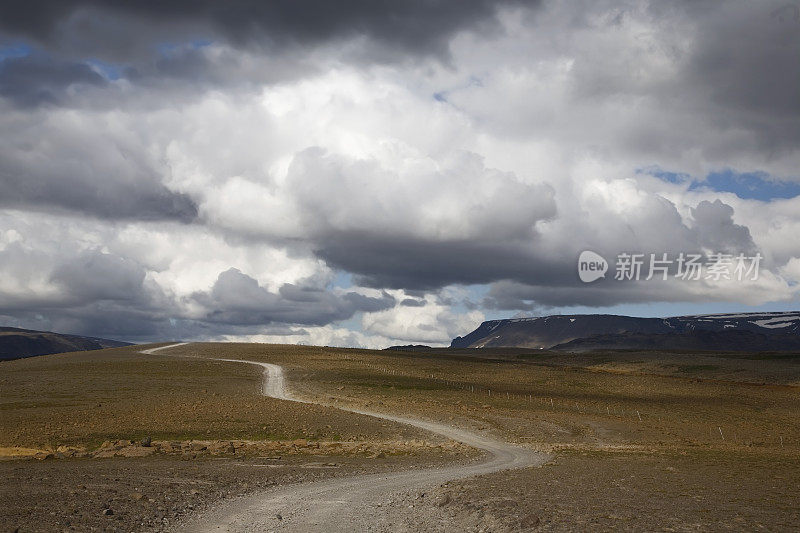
(17, 343)
(721, 332)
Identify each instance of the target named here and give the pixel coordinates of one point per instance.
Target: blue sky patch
(168, 49)
(109, 71)
(748, 186)
(14, 50)
(342, 280)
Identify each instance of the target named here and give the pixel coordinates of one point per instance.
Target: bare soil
(641, 441)
(152, 493)
(622, 491)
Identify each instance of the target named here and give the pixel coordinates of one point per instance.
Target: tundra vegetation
(639, 440)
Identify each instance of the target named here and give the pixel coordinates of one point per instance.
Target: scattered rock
(443, 500)
(530, 521)
(128, 451)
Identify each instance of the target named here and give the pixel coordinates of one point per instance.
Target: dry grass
(543, 401)
(86, 398)
(119, 394)
(671, 443)
(695, 490)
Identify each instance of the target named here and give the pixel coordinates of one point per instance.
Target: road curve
(351, 503)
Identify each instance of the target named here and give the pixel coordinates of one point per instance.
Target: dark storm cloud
(418, 264)
(711, 228)
(745, 59)
(112, 320)
(743, 72)
(748, 54)
(238, 299)
(74, 279)
(120, 201)
(68, 166)
(190, 64)
(368, 304)
(511, 295)
(117, 201)
(412, 27)
(106, 319)
(458, 222)
(101, 294)
(407, 262)
(34, 80)
(718, 78)
(713, 222)
(100, 276)
(89, 293)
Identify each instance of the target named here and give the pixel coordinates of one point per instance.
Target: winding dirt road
(353, 503)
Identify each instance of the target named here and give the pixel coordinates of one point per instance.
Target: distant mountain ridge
(722, 332)
(18, 343)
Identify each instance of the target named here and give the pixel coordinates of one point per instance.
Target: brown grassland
(640, 441)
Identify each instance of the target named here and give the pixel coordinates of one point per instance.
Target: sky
(370, 173)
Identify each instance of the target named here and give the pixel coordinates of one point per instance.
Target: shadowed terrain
(740, 332)
(17, 343)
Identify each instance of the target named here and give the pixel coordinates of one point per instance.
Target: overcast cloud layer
(374, 173)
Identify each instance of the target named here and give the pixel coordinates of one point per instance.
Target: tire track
(352, 503)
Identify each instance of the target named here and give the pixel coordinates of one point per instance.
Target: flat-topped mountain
(17, 343)
(724, 332)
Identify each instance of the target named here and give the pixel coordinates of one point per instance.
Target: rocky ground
(672, 444)
(194, 449)
(151, 493)
(613, 491)
(596, 491)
